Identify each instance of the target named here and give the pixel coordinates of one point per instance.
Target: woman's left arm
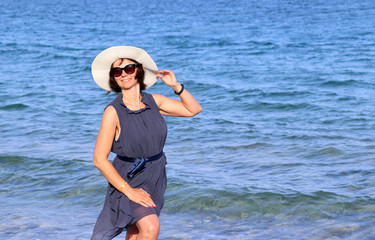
(186, 107)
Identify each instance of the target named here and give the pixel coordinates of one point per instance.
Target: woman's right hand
(140, 196)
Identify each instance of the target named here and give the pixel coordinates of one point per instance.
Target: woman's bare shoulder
(110, 114)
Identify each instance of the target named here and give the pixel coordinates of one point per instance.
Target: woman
(132, 127)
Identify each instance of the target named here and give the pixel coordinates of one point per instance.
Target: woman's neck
(132, 99)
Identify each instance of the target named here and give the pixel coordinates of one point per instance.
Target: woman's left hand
(186, 107)
(168, 77)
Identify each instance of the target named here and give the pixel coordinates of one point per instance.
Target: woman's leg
(148, 228)
(132, 233)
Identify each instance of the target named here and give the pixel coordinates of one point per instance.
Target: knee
(149, 228)
(152, 230)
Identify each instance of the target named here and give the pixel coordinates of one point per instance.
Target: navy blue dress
(142, 134)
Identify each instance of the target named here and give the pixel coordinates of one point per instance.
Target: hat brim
(101, 65)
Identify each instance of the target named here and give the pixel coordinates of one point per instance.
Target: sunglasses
(129, 69)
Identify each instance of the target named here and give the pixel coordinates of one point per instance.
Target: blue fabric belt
(139, 163)
(149, 159)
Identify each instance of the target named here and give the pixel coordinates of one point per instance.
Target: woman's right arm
(102, 149)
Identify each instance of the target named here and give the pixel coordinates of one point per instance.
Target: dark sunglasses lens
(129, 69)
(116, 72)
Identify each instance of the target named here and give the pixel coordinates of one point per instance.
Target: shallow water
(284, 148)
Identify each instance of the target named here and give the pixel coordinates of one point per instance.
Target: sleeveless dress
(142, 134)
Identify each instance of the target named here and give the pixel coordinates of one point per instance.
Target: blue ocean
(283, 149)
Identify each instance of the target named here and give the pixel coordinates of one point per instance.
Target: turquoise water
(284, 148)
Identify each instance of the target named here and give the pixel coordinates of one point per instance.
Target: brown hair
(140, 76)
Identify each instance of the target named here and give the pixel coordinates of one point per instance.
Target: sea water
(283, 149)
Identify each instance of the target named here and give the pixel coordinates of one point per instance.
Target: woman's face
(125, 81)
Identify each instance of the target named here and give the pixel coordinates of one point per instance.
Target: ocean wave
(229, 204)
(15, 106)
(336, 83)
(257, 145)
(264, 105)
(48, 178)
(328, 151)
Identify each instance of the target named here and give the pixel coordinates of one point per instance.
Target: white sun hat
(101, 65)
